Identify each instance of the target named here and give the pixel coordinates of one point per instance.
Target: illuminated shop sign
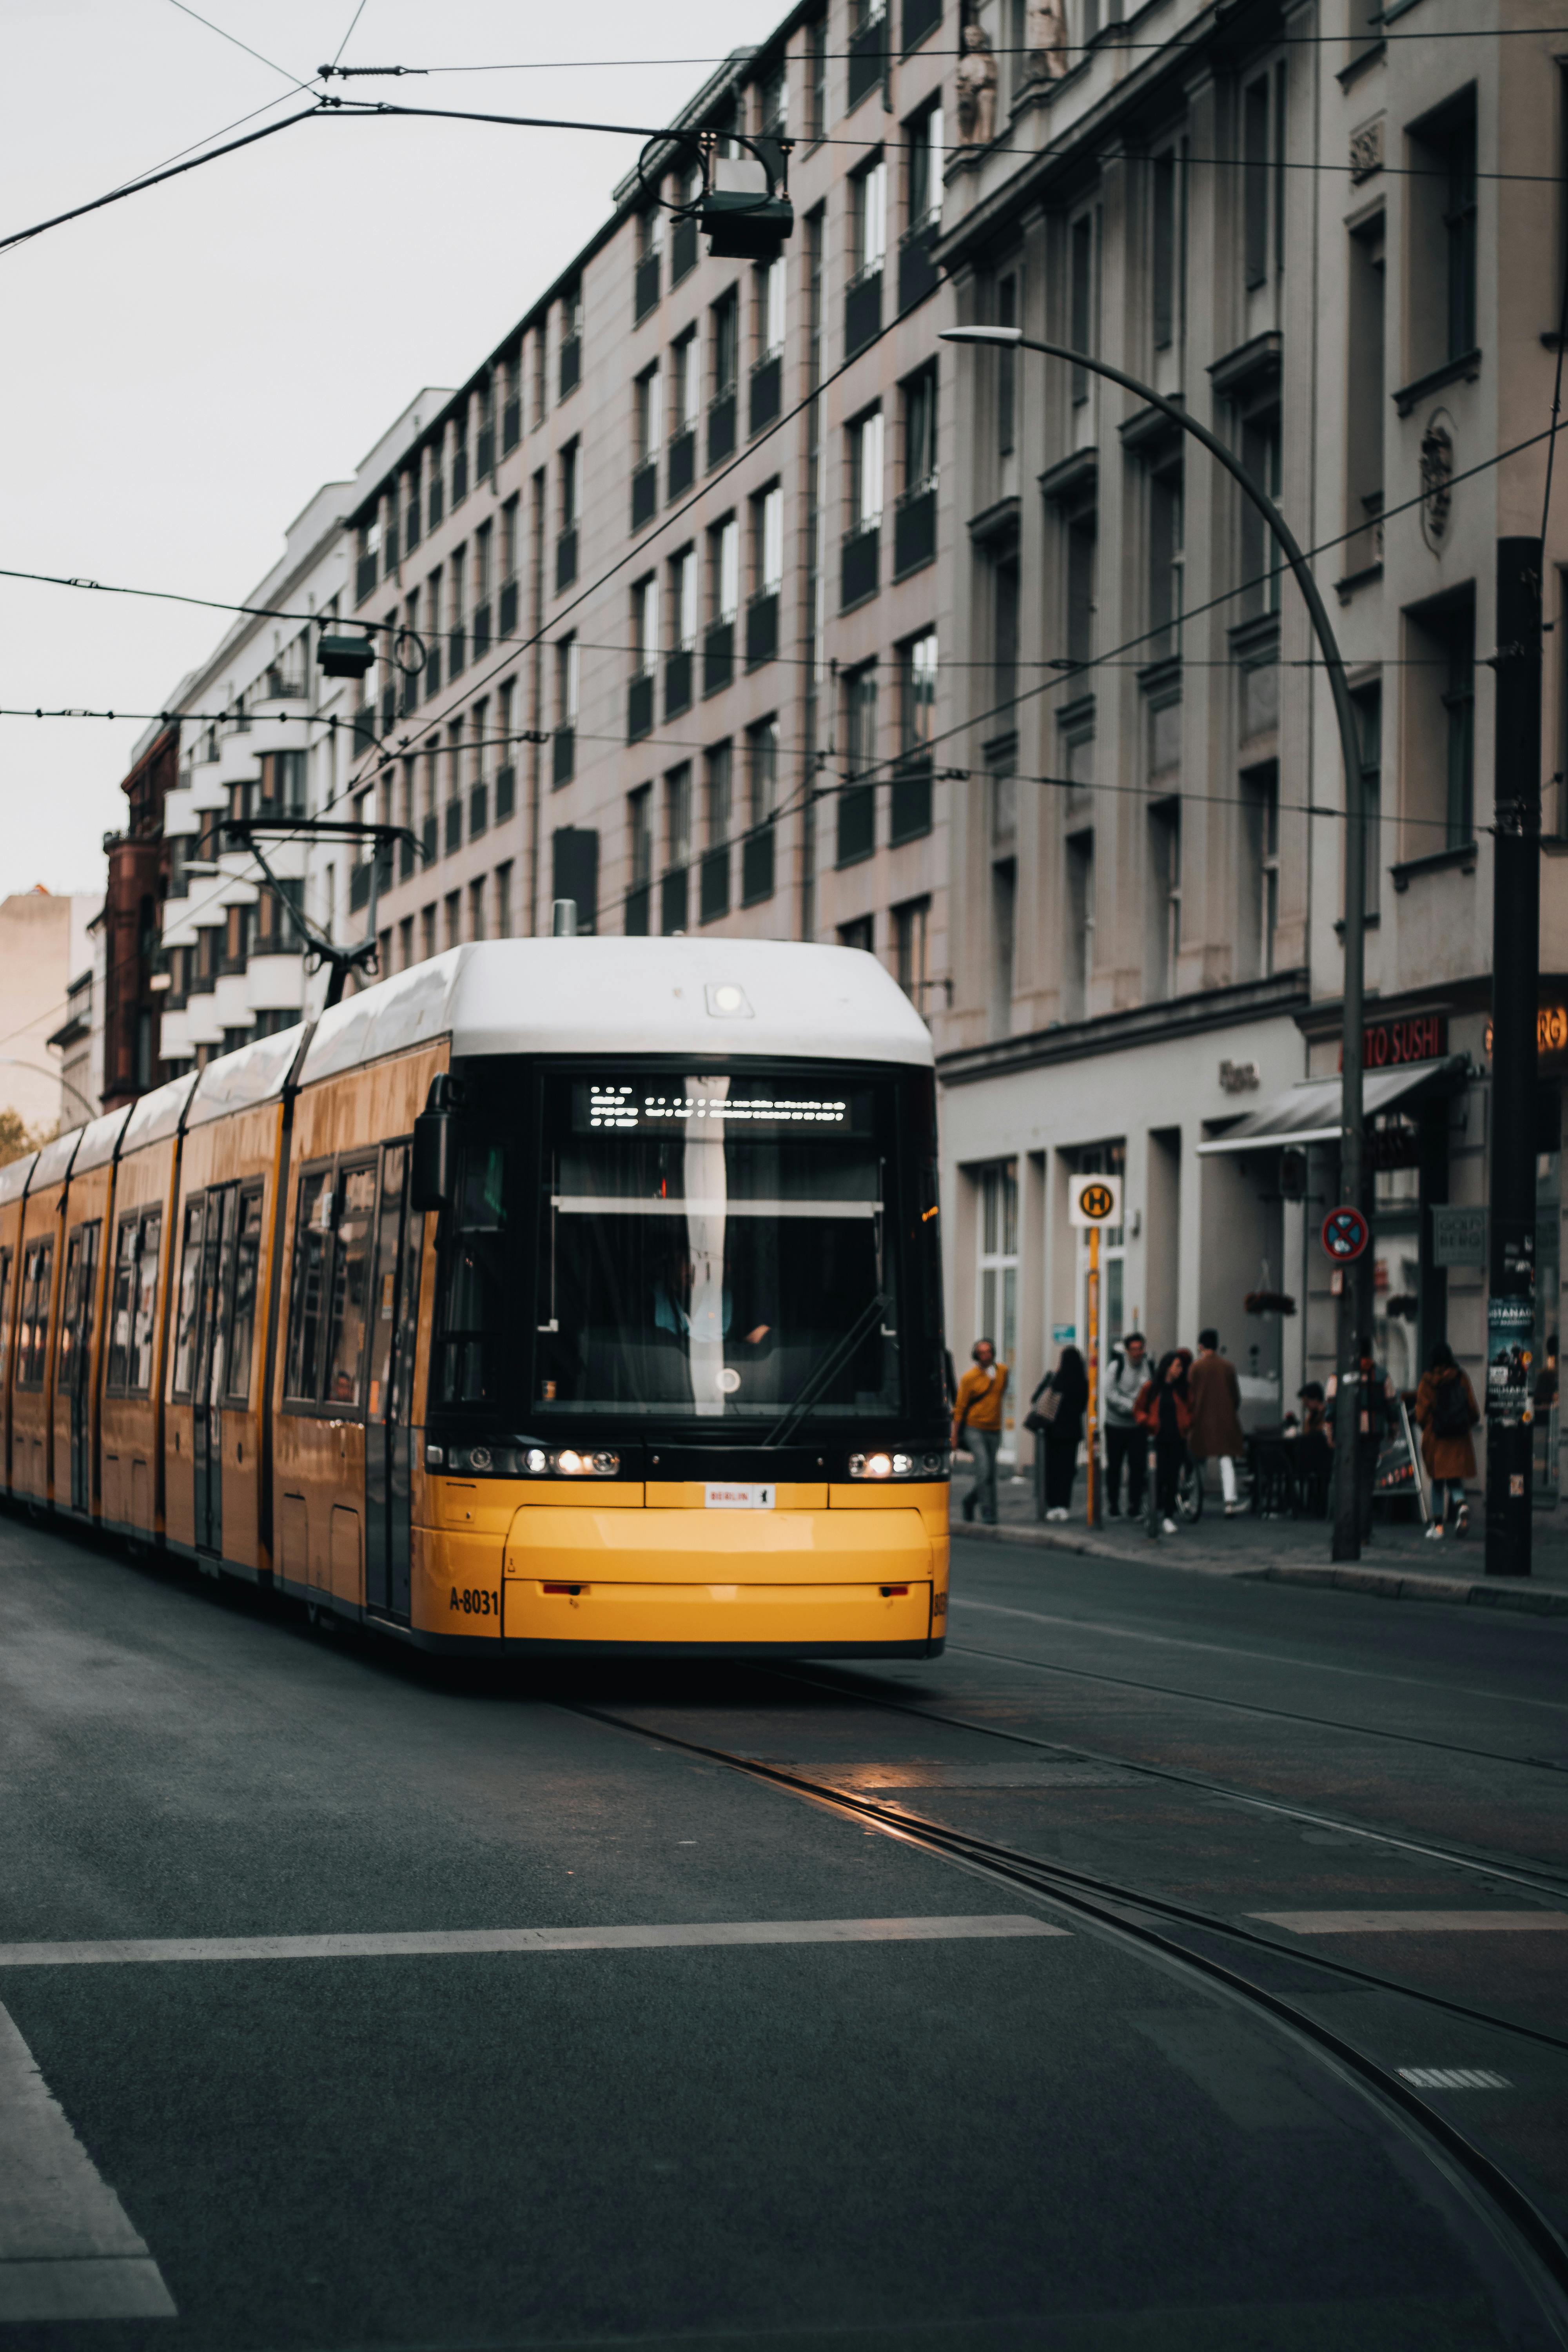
(1388, 1044)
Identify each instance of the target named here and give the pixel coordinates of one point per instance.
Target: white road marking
(1412, 1922)
(1261, 1657)
(441, 1942)
(67, 2247)
(1454, 2078)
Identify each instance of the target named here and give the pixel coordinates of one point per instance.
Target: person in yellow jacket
(977, 1426)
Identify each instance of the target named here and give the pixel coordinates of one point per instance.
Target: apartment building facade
(1298, 222)
(671, 552)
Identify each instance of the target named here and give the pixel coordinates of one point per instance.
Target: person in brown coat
(1446, 1409)
(1216, 1394)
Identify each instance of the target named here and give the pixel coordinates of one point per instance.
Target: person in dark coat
(1216, 1434)
(1063, 1433)
(1376, 1415)
(1166, 1409)
(1446, 1409)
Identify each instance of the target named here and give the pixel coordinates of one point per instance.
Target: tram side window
(312, 1224)
(37, 1281)
(242, 1336)
(189, 1299)
(5, 1311)
(143, 1330)
(351, 1286)
(467, 1368)
(123, 1306)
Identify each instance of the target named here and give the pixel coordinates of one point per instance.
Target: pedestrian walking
(1446, 1411)
(977, 1426)
(1126, 1370)
(1166, 1413)
(1217, 1433)
(1056, 1414)
(1375, 1414)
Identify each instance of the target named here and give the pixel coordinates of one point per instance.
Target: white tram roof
(156, 1117)
(629, 996)
(14, 1177)
(96, 1149)
(55, 1159)
(253, 1074)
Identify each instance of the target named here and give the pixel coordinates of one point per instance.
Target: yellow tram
(565, 1294)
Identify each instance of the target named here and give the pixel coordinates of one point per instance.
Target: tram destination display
(667, 1105)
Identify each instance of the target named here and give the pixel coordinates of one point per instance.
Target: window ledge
(1249, 365)
(1349, 75)
(1464, 370)
(1346, 588)
(1072, 477)
(997, 521)
(1441, 861)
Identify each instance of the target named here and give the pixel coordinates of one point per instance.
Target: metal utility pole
(1347, 1522)
(1509, 1400)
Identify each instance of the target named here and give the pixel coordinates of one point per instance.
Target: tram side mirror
(433, 1162)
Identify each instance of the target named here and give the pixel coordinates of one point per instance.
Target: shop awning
(1309, 1113)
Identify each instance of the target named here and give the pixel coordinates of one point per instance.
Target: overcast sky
(183, 369)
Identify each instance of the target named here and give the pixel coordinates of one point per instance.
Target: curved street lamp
(10, 1061)
(1347, 1519)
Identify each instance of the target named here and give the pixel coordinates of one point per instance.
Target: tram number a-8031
(475, 1605)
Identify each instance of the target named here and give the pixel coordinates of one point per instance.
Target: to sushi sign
(1389, 1045)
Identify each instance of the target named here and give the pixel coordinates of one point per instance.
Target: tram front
(686, 1358)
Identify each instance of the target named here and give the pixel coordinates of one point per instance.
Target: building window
(866, 471)
(1007, 380)
(817, 77)
(725, 544)
(717, 794)
(685, 384)
(649, 414)
(868, 200)
(1080, 959)
(1003, 642)
(911, 928)
(770, 307)
(1164, 924)
(639, 861)
(1255, 178)
(1260, 559)
(1165, 561)
(773, 100)
(1083, 303)
(769, 526)
(859, 934)
(858, 800)
(1260, 871)
(726, 342)
(1004, 941)
(1364, 400)
(911, 789)
(1459, 223)
(673, 888)
(925, 159)
(1166, 183)
(919, 429)
(645, 625)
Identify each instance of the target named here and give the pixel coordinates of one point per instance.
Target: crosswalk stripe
(68, 2250)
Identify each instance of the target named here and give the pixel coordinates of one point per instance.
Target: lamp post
(10, 1061)
(1347, 1522)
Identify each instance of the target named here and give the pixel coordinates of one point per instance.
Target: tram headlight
(890, 1464)
(536, 1462)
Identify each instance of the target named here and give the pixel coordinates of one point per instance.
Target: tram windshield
(717, 1248)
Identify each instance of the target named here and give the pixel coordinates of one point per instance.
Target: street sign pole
(1093, 1504)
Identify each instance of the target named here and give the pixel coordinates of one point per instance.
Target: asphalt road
(958, 2131)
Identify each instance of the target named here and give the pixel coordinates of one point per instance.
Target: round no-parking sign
(1346, 1234)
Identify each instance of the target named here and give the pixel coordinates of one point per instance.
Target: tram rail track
(1150, 1922)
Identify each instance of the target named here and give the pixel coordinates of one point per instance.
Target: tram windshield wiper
(827, 1365)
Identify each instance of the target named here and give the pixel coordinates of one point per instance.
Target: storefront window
(997, 1285)
(1396, 1250)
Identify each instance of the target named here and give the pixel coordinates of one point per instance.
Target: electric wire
(271, 63)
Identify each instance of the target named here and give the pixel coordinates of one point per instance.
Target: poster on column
(1511, 1348)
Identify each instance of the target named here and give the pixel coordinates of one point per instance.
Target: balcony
(910, 798)
(918, 273)
(566, 558)
(867, 57)
(767, 391)
(507, 625)
(858, 565)
(682, 465)
(456, 651)
(677, 683)
(429, 842)
(714, 888)
(285, 683)
(857, 823)
(485, 454)
(639, 909)
(481, 631)
(645, 287)
(645, 493)
(571, 370)
(640, 707)
(762, 628)
(453, 826)
(914, 530)
(510, 426)
(562, 756)
(506, 793)
(367, 572)
(459, 473)
(431, 673)
(921, 17)
(863, 309)
(478, 809)
(717, 656)
(682, 250)
(672, 902)
(722, 428)
(757, 865)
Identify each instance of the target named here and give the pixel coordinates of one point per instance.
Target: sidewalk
(1398, 1564)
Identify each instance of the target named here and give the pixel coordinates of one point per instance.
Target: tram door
(76, 1354)
(395, 1322)
(214, 1334)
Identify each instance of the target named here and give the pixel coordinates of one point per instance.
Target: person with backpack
(1446, 1409)
(1126, 1374)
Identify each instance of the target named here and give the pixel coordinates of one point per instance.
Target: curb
(1383, 1583)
